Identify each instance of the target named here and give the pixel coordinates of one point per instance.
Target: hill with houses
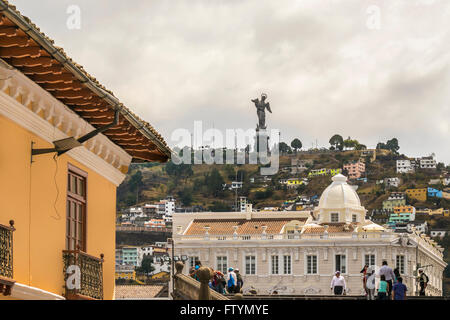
(397, 191)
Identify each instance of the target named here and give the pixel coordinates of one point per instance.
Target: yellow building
(317, 172)
(334, 172)
(125, 273)
(417, 194)
(294, 182)
(323, 172)
(440, 211)
(61, 201)
(162, 275)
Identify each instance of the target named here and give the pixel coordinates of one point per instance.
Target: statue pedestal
(261, 141)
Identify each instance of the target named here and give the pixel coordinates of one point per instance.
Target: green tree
(179, 171)
(296, 144)
(393, 145)
(350, 143)
(186, 196)
(214, 181)
(146, 265)
(284, 148)
(230, 172)
(135, 180)
(337, 142)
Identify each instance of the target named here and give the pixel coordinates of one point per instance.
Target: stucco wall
(30, 196)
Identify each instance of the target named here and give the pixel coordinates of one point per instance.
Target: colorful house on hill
(417, 194)
(295, 182)
(317, 172)
(402, 214)
(334, 172)
(355, 169)
(396, 199)
(126, 272)
(440, 211)
(434, 193)
(324, 172)
(66, 143)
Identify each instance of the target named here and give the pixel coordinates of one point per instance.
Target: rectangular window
(250, 265)
(354, 218)
(76, 209)
(400, 263)
(222, 264)
(335, 217)
(287, 264)
(192, 261)
(311, 264)
(275, 265)
(340, 263)
(369, 259)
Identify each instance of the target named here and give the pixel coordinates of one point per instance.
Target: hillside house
(355, 169)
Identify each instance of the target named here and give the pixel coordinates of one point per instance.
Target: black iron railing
(6, 250)
(89, 269)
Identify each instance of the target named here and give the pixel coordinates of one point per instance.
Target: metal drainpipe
(113, 101)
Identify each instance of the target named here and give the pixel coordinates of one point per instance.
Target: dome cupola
(339, 203)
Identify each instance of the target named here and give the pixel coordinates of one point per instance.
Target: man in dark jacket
(423, 282)
(239, 281)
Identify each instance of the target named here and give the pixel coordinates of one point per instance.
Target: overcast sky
(327, 66)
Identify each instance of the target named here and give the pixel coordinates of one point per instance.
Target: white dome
(339, 195)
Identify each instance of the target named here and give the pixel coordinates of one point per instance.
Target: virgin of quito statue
(261, 106)
(261, 135)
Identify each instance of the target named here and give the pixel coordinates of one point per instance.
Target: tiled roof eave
(86, 79)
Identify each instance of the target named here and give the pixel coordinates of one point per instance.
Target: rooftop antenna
(63, 145)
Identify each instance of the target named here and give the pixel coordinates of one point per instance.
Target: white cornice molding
(58, 122)
(24, 292)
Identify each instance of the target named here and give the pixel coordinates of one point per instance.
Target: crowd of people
(390, 286)
(230, 283)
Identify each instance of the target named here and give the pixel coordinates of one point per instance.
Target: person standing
(239, 281)
(382, 288)
(364, 272)
(387, 272)
(370, 284)
(396, 274)
(338, 286)
(423, 282)
(231, 280)
(399, 290)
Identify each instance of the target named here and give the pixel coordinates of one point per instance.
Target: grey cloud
(325, 72)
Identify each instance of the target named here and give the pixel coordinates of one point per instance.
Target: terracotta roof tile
(332, 228)
(166, 150)
(225, 226)
(137, 291)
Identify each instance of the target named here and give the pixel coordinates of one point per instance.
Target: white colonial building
(297, 252)
(405, 166)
